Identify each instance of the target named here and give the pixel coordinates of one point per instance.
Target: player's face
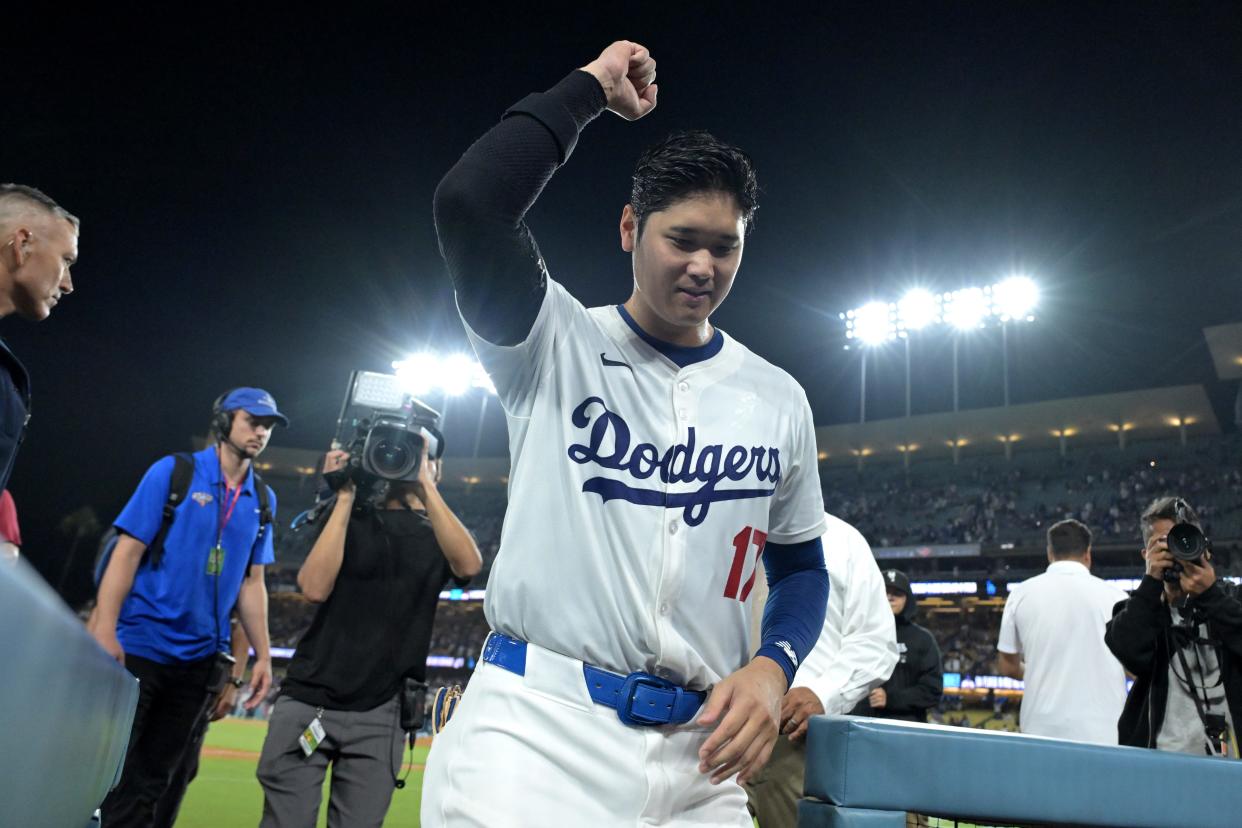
(250, 434)
(50, 247)
(684, 264)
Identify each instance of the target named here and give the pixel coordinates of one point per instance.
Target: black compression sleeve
(481, 204)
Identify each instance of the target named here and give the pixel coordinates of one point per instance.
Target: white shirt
(641, 494)
(857, 649)
(1075, 687)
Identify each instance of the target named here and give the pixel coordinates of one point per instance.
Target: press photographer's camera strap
(1215, 725)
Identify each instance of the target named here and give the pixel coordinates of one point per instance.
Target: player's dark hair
(36, 197)
(1168, 508)
(686, 164)
(1068, 539)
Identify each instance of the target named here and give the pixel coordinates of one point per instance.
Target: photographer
(1180, 634)
(376, 570)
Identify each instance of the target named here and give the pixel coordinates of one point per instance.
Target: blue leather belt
(640, 699)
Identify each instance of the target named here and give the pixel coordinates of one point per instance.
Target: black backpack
(178, 488)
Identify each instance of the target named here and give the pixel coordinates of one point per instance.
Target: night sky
(255, 195)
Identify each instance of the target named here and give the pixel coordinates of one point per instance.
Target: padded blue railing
(65, 709)
(870, 772)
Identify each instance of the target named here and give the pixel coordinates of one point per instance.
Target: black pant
(169, 806)
(171, 698)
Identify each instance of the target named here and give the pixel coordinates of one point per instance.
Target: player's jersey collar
(679, 355)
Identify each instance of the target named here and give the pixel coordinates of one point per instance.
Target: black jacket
(1139, 635)
(916, 683)
(14, 409)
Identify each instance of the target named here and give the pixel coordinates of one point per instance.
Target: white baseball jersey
(641, 494)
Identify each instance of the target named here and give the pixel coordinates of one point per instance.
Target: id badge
(312, 737)
(215, 560)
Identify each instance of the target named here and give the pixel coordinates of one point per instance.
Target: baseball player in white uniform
(856, 653)
(654, 458)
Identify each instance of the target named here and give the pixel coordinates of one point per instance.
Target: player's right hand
(1158, 556)
(627, 73)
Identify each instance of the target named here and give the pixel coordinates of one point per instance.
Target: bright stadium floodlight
(874, 324)
(1014, 298)
(966, 309)
(456, 373)
(917, 309)
(419, 373)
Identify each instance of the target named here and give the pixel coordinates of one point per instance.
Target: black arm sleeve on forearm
(481, 204)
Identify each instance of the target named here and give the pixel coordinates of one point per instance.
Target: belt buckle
(629, 689)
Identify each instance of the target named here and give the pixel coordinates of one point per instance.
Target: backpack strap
(265, 516)
(265, 505)
(178, 487)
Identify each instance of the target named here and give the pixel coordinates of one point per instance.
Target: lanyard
(227, 512)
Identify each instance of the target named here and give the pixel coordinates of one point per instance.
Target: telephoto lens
(1186, 543)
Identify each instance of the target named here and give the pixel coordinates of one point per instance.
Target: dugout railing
(870, 773)
(66, 709)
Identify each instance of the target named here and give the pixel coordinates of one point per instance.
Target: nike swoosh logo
(613, 363)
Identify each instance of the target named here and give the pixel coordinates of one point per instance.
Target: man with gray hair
(38, 246)
(1180, 634)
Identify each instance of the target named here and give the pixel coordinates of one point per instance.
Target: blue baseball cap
(254, 400)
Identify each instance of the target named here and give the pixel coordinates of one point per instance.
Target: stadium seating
(987, 499)
(67, 709)
(859, 768)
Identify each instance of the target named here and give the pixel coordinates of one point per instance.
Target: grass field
(227, 795)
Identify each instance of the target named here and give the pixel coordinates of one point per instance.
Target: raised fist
(627, 73)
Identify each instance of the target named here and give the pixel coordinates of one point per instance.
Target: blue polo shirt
(178, 612)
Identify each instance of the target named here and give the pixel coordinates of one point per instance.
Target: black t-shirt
(375, 627)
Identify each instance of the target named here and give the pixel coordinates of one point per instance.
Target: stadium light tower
(964, 310)
(1013, 300)
(916, 310)
(872, 325)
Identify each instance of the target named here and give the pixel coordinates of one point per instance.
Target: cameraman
(376, 571)
(1181, 637)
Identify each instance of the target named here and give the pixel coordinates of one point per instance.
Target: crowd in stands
(990, 500)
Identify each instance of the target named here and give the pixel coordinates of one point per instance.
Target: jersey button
(681, 413)
(683, 385)
(672, 528)
(663, 609)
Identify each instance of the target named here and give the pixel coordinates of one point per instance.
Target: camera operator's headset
(221, 420)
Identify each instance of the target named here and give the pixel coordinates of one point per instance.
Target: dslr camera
(1186, 542)
(384, 429)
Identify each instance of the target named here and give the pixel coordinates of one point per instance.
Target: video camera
(1186, 542)
(384, 430)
